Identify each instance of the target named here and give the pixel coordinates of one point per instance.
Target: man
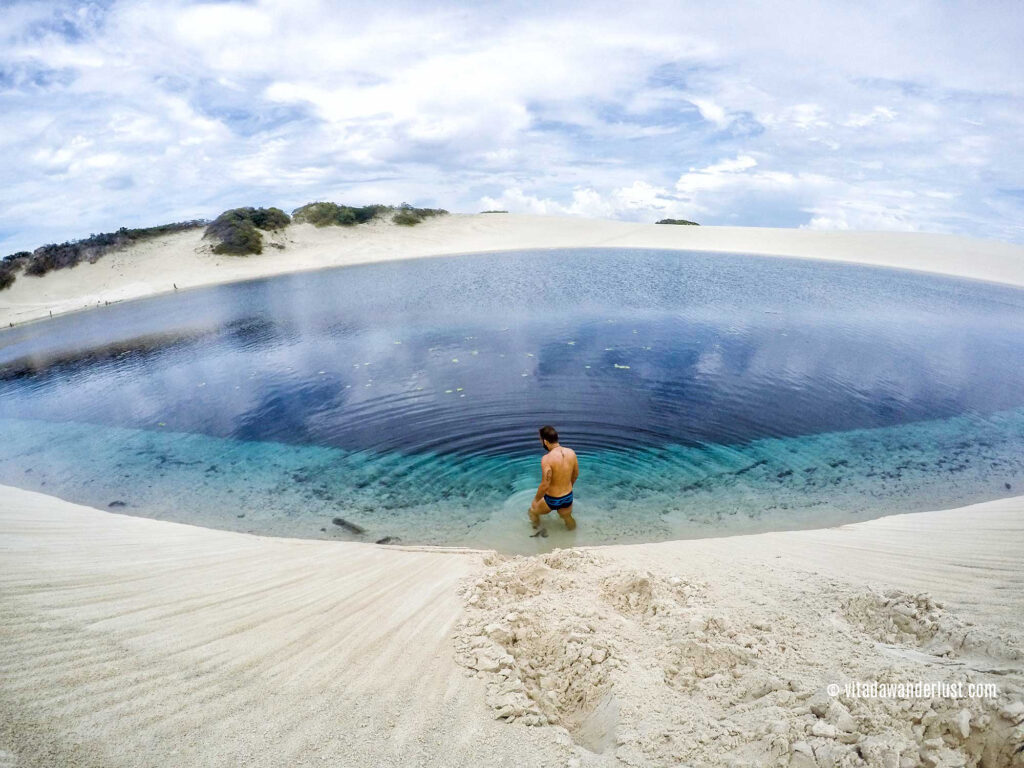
(559, 470)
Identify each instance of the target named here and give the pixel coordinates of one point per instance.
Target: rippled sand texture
(133, 642)
(646, 495)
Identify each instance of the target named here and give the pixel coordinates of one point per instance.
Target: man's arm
(575, 469)
(545, 480)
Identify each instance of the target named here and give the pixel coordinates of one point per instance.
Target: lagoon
(705, 393)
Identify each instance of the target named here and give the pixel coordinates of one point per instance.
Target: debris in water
(343, 523)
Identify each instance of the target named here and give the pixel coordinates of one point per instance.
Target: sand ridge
(186, 260)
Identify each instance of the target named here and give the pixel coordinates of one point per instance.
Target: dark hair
(548, 433)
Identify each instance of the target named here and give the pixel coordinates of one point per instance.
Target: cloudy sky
(861, 115)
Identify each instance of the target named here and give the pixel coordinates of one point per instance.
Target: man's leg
(537, 509)
(567, 518)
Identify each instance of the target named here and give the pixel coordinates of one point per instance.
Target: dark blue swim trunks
(558, 503)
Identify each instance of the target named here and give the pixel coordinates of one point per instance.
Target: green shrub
(406, 219)
(269, 219)
(69, 254)
(677, 221)
(10, 265)
(408, 216)
(322, 214)
(493, 211)
(237, 230)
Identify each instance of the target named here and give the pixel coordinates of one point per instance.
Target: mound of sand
(647, 668)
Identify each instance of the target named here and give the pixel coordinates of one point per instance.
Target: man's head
(548, 436)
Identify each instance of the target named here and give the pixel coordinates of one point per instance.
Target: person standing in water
(559, 469)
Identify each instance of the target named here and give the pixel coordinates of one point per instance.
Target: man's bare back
(559, 470)
(563, 464)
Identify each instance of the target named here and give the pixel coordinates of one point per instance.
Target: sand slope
(131, 642)
(185, 259)
(128, 641)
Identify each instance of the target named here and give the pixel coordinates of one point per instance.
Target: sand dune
(134, 642)
(185, 259)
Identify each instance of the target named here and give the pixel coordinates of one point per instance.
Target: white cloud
(712, 188)
(840, 115)
(711, 111)
(864, 215)
(639, 201)
(867, 118)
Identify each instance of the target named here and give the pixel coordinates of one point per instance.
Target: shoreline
(715, 539)
(152, 268)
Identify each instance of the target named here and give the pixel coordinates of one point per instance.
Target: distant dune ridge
(61, 256)
(185, 258)
(136, 642)
(235, 231)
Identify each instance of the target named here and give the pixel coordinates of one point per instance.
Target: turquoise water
(705, 394)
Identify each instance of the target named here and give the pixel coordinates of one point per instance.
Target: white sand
(185, 259)
(133, 642)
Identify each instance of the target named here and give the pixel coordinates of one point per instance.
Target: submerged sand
(133, 642)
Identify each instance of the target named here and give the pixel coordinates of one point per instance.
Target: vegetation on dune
(69, 254)
(10, 265)
(331, 214)
(407, 216)
(237, 230)
(322, 214)
(493, 211)
(677, 221)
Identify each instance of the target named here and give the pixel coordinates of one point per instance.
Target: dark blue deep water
(704, 393)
